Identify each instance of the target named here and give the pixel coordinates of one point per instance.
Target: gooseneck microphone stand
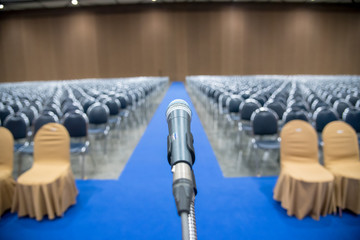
(185, 199)
(181, 157)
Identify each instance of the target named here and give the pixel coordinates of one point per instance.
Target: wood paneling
(179, 39)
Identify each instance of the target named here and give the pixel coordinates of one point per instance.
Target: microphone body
(180, 139)
(181, 155)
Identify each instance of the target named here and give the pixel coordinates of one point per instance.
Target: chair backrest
(247, 108)
(299, 143)
(4, 112)
(76, 123)
(233, 104)
(264, 122)
(16, 106)
(340, 143)
(352, 99)
(294, 114)
(113, 105)
(31, 113)
(87, 103)
(53, 108)
(277, 107)
(98, 113)
(352, 117)
(44, 118)
(52, 144)
(123, 100)
(340, 106)
(6, 149)
(17, 124)
(71, 107)
(323, 116)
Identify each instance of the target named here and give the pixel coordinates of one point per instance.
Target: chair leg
(257, 162)
(82, 163)
(105, 144)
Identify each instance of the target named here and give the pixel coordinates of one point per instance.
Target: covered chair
(7, 183)
(341, 158)
(304, 187)
(48, 187)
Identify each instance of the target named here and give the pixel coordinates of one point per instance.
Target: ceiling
(9, 5)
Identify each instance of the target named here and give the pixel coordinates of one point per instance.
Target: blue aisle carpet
(140, 204)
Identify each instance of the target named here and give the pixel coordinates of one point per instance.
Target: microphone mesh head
(178, 104)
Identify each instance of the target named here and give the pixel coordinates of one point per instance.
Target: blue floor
(140, 204)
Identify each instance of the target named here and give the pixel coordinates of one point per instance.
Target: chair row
(84, 107)
(286, 97)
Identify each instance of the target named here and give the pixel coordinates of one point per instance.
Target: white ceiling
(43, 4)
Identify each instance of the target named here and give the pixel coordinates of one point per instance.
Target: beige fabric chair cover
(7, 183)
(341, 157)
(304, 187)
(49, 186)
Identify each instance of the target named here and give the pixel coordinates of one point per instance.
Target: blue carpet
(140, 204)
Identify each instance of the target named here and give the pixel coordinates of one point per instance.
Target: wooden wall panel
(179, 39)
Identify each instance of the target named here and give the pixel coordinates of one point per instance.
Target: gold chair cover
(48, 187)
(341, 158)
(7, 183)
(304, 187)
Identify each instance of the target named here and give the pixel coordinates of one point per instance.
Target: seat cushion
(78, 147)
(307, 172)
(268, 144)
(348, 169)
(43, 173)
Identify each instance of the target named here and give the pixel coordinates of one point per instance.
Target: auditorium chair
(31, 113)
(233, 106)
(87, 102)
(352, 99)
(264, 123)
(76, 123)
(48, 187)
(98, 115)
(5, 111)
(341, 158)
(322, 116)
(352, 117)
(16, 106)
(44, 118)
(340, 106)
(246, 110)
(18, 125)
(294, 114)
(7, 183)
(277, 106)
(124, 112)
(331, 99)
(52, 107)
(304, 187)
(114, 114)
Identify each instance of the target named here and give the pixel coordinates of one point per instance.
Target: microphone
(181, 157)
(180, 139)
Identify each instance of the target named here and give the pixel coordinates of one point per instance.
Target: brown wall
(177, 40)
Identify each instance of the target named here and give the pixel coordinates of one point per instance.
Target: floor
(109, 164)
(140, 204)
(232, 149)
